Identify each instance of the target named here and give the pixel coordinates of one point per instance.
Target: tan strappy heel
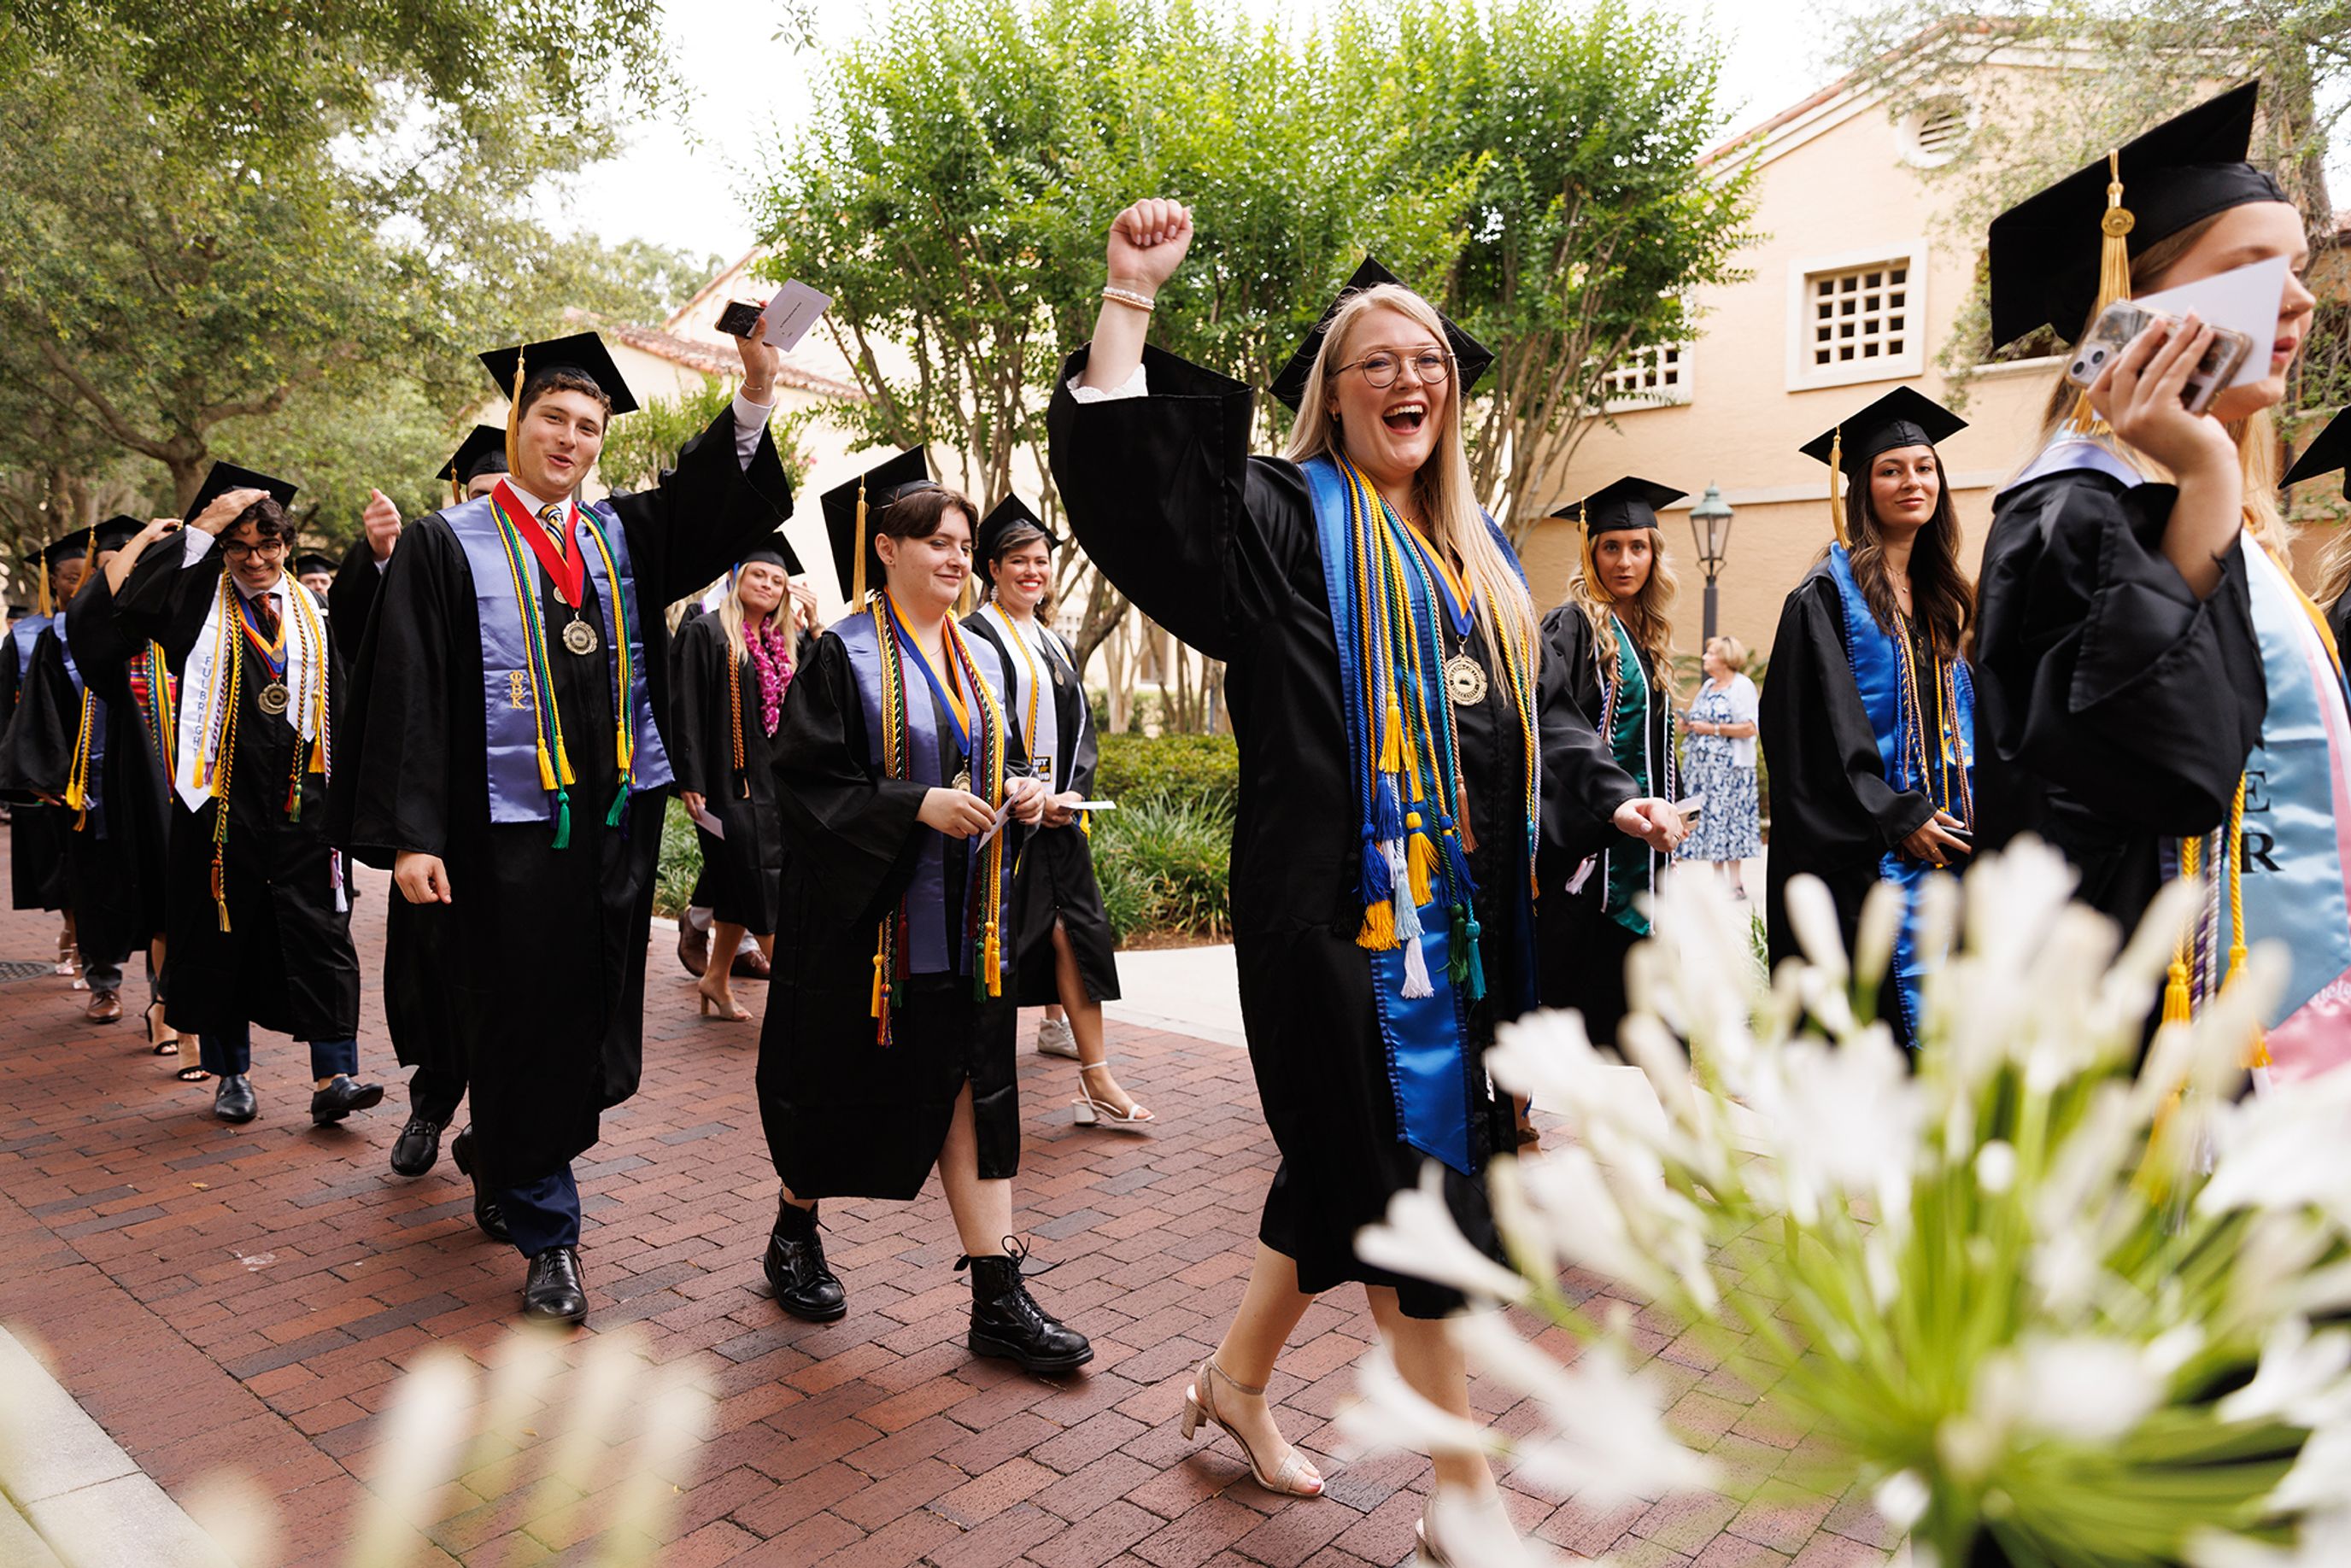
(1293, 1477)
(1086, 1110)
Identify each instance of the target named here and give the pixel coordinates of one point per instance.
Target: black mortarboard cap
(777, 551)
(225, 477)
(483, 451)
(70, 546)
(2329, 450)
(1471, 358)
(118, 531)
(309, 561)
(897, 475)
(583, 351)
(1901, 418)
(1629, 504)
(1009, 514)
(2046, 250)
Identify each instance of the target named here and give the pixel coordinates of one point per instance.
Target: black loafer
(795, 1269)
(233, 1099)
(340, 1098)
(485, 1209)
(416, 1149)
(553, 1291)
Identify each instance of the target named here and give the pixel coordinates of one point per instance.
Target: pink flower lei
(772, 658)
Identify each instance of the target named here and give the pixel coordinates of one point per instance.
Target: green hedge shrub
(680, 866)
(1165, 868)
(1202, 769)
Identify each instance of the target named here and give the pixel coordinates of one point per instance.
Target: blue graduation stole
(1941, 769)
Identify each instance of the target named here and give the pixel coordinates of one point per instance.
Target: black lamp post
(1711, 527)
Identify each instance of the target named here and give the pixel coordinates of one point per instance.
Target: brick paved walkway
(241, 1298)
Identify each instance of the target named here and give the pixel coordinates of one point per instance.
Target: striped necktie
(555, 522)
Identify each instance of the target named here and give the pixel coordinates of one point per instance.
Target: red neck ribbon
(562, 565)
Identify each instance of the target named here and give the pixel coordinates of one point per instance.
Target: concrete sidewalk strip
(87, 1504)
(1194, 991)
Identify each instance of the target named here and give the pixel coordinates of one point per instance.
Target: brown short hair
(268, 519)
(916, 513)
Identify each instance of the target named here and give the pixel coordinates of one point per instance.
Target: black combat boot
(1006, 1321)
(795, 1264)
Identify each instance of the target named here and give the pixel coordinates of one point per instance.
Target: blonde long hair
(1646, 619)
(2255, 435)
(1442, 490)
(730, 610)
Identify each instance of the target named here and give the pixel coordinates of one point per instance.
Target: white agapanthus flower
(2083, 1387)
(1389, 1413)
(2300, 1378)
(2284, 1151)
(1419, 1238)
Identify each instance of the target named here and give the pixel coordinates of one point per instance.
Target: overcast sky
(679, 183)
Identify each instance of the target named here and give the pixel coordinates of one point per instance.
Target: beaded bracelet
(1142, 302)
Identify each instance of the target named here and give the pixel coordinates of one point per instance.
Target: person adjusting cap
(1471, 358)
(1629, 503)
(227, 476)
(2064, 254)
(849, 508)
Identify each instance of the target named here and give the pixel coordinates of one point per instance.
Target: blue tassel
(1387, 816)
(1457, 861)
(1377, 886)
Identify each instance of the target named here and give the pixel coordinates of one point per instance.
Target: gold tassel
(514, 416)
(2177, 1005)
(881, 958)
(1420, 861)
(1379, 926)
(47, 608)
(994, 958)
(2114, 280)
(2257, 1052)
(857, 572)
(1837, 467)
(88, 566)
(1391, 737)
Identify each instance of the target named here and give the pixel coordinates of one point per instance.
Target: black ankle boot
(1006, 1321)
(795, 1264)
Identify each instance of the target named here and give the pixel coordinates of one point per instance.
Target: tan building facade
(1851, 292)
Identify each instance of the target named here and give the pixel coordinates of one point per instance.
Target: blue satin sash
(509, 725)
(1433, 1075)
(1883, 677)
(23, 635)
(2296, 880)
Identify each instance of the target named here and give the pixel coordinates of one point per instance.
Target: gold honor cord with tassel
(514, 420)
(2257, 1052)
(78, 779)
(857, 571)
(1836, 470)
(894, 747)
(2179, 1001)
(2114, 281)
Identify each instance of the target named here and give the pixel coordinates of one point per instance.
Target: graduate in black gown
(1868, 719)
(2328, 453)
(415, 1001)
(1366, 777)
(887, 1048)
(37, 862)
(1607, 651)
(1061, 945)
(2117, 666)
(503, 758)
(730, 669)
(257, 900)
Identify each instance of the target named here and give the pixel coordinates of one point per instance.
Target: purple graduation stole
(510, 726)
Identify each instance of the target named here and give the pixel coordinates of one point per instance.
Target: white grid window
(1650, 377)
(1860, 313)
(1857, 318)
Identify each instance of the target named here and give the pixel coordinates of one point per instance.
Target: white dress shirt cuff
(193, 542)
(1135, 386)
(750, 424)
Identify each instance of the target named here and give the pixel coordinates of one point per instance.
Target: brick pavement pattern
(240, 1300)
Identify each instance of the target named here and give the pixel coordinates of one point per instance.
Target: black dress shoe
(485, 1209)
(553, 1291)
(233, 1099)
(795, 1265)
(418, 1145)
(340, 1098)
(1006, 1319)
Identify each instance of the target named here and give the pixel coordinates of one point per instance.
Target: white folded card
(2245, 298)
(708, 824)
(790, 314)
(1095, 806)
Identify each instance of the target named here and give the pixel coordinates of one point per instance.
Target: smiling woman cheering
(1396, 766)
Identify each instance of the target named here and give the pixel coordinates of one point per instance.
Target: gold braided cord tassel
(47, 606)
(514, 415)
(2114, 280)
(857, 572)
(2179, 1006)
(1836, 471)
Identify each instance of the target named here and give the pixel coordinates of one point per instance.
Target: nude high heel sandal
(1086, 1110)
(710, 1004)
(1293, 1477)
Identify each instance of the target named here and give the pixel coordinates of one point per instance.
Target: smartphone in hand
(740, 320)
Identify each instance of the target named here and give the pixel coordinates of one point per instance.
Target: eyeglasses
(1380, 370)
(264, 547)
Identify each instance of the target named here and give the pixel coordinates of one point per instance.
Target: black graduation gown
(1834, 813)
(1220, 549)
(1054, 878)
(415, 996)
(137, 782)
(98, 870)
(740, 871)
(540, 953)
(285, 962)
(845, 1115)
(35, 852)
(2114, 710)
(1583, 949)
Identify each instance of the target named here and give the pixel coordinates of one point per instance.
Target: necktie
(267, 605)
(553, 519)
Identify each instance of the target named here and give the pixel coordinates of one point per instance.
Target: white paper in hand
(790, 314)
(708, 824)
(2244, 299)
